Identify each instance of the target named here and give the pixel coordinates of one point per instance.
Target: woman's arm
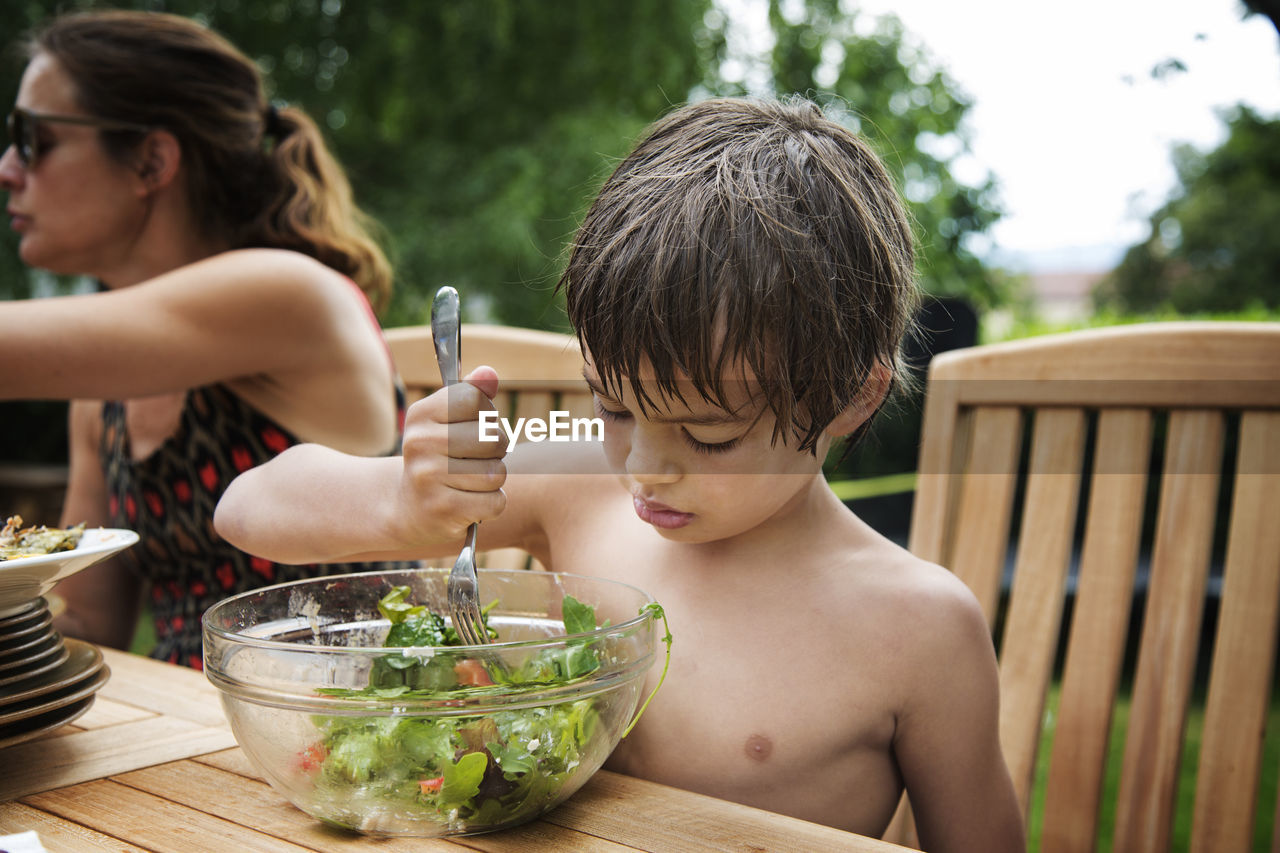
(103, 600)
(242, 313)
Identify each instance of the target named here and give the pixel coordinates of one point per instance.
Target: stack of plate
(46, 681)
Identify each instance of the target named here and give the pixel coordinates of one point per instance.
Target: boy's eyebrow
(719, 417)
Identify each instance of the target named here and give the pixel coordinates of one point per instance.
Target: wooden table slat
(115, 808)
(158, 771)
(57, 834)
(234, 797)
(55, 762)
(646, 816)
(106, 712)
(172, 690)
(233, 763)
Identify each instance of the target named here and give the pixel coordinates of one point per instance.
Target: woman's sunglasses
(24, 130)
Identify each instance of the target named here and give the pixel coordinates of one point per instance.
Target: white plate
(27, 578)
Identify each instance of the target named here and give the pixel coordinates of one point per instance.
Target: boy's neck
(811, 518)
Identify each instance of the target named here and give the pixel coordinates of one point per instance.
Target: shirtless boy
(740, 288)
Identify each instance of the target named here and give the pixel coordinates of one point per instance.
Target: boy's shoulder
(922, 606)
(898, 573)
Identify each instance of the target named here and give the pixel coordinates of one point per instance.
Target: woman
(233, 318)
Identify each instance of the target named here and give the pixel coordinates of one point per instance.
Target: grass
(144, 635)
(1267, 789)
(1032, 325)
(870, 487)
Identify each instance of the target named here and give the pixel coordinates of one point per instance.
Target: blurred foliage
(913, 114)
(1034, 325)
(1269, 9)
(477, 131)
(1212, 245)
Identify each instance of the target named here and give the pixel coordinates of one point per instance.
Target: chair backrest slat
(1170, 631)
(1245, 650)
(1095, 651)
(980, 536)
(1146, 569)
(943, 434)
(526, 359)
(1028, 646)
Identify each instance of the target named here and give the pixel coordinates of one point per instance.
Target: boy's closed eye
(611, 410)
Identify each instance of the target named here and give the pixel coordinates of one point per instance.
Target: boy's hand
(450, 477)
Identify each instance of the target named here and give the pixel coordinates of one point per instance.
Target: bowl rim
(643, 614)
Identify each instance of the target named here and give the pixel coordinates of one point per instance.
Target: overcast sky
(1066, 113)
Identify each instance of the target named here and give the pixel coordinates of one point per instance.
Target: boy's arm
(947, 741)
(315, 504)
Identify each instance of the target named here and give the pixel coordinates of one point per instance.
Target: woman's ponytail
(312, 209)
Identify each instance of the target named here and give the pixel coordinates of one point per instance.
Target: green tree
(886, 86)
(1212, 245)
(913, 113)
(475, 130)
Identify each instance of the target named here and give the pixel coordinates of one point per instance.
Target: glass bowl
(428, 740)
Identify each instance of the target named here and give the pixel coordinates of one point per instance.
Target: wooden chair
(1120, 425)
(540, 371)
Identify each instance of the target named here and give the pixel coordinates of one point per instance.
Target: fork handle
(446, 333)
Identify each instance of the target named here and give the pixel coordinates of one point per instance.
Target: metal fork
(464, 599)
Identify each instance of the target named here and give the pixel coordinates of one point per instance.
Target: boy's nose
(648, 466)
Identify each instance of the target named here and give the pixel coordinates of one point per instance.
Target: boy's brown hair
(752, 233)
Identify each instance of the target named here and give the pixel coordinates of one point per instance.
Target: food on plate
(495, 769)
(35, 541)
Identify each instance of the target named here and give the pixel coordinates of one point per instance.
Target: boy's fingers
(476, 475)
(425, 439)
(455, 404)
(466, 402)
(471, 441)
(485, 378)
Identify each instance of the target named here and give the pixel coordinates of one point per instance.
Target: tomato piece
(471, 673)
(431, 786)
(312, 757)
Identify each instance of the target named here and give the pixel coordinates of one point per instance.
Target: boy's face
(698, 472)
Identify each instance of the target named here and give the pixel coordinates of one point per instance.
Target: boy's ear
(159, 157)
(869, 399)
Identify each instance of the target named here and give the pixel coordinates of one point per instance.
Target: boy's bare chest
(746, 719)
(763, 703)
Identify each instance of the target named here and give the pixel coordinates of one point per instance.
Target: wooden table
(152, 766)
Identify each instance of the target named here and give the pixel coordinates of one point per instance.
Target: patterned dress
(169, 498)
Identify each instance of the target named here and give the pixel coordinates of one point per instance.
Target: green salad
(489, 770)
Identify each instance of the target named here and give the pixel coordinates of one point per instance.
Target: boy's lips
(660, 515)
